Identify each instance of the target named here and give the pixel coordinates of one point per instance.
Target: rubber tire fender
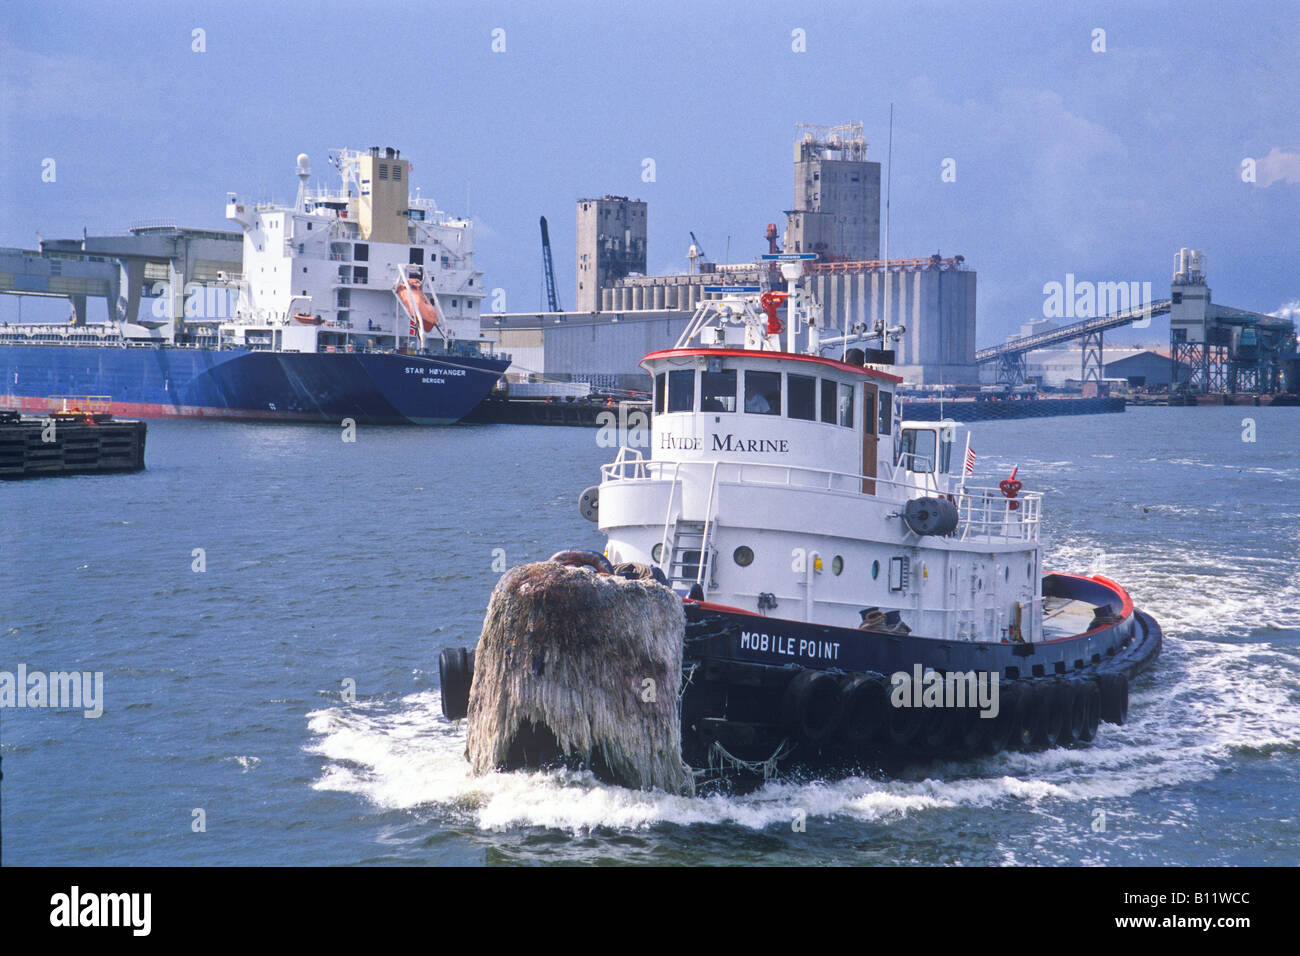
(811, 705)
(456, 676)
(902, 724)
(1114, 697)
(939, 730)
(1004, 727)
(1074, 712)
(865, 710)
(972, 731)
(1092, 701)
(1048, 704)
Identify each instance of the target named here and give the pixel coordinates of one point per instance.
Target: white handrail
(708, 525)
(982, 512)
(668, 519)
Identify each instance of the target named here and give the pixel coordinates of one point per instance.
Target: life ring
(574, 558)
(810, 706)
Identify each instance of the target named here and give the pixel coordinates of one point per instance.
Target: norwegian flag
(970, 460)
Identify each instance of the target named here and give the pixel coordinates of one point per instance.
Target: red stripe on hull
(43, 406)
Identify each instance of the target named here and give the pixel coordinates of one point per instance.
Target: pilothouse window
(828, 401)
(886, 412)
(802, 397)
(661, 391)
(763, 393)
(718, 391)
(846, 405)
(681, 391)
(918, 450)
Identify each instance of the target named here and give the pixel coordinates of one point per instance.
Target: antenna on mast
(889, 179)
(304, 174)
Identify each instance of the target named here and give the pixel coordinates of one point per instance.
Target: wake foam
(1219, 694)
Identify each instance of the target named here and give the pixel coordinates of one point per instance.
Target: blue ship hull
(242, 384)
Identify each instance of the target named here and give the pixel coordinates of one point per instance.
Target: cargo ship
(849, 584)
(359, 301)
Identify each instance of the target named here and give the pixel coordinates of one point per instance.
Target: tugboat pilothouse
(851, 592)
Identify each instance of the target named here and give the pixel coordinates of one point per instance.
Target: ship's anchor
(1010, 488)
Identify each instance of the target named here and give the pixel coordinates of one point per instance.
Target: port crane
(552, 297)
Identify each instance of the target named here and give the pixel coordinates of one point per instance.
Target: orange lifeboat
(306, 319)
(410, 290)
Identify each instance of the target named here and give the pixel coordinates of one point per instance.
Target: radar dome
(304, 161)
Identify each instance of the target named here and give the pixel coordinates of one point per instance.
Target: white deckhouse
(782, 481)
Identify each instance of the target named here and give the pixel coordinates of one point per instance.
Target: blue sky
(1068, 160)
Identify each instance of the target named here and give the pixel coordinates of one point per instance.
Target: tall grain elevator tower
(836, 195)
(611, 244)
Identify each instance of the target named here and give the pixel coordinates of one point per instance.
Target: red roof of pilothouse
(794, 356)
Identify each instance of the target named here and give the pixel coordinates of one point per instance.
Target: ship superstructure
(324, 272)
(780, 478)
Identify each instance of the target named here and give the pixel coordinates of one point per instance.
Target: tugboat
(850, 594)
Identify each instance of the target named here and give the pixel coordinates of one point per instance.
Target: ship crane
(552, 297)
(695, 254)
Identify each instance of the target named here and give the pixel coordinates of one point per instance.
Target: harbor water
(267, 603)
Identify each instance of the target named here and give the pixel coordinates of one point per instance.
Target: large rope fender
(592, 660)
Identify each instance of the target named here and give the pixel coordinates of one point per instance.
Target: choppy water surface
(330, 562)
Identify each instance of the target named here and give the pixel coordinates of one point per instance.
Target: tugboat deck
(1065, 617)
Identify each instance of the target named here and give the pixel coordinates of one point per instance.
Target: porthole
(744, 556)
(875, 570)
(657, 552)
(837, 564)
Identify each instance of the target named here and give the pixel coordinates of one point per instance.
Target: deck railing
(982, 513)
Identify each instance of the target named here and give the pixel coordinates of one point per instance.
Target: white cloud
(1289, 311)
(1278, 165)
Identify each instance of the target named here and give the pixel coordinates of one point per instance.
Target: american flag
(970, 460)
